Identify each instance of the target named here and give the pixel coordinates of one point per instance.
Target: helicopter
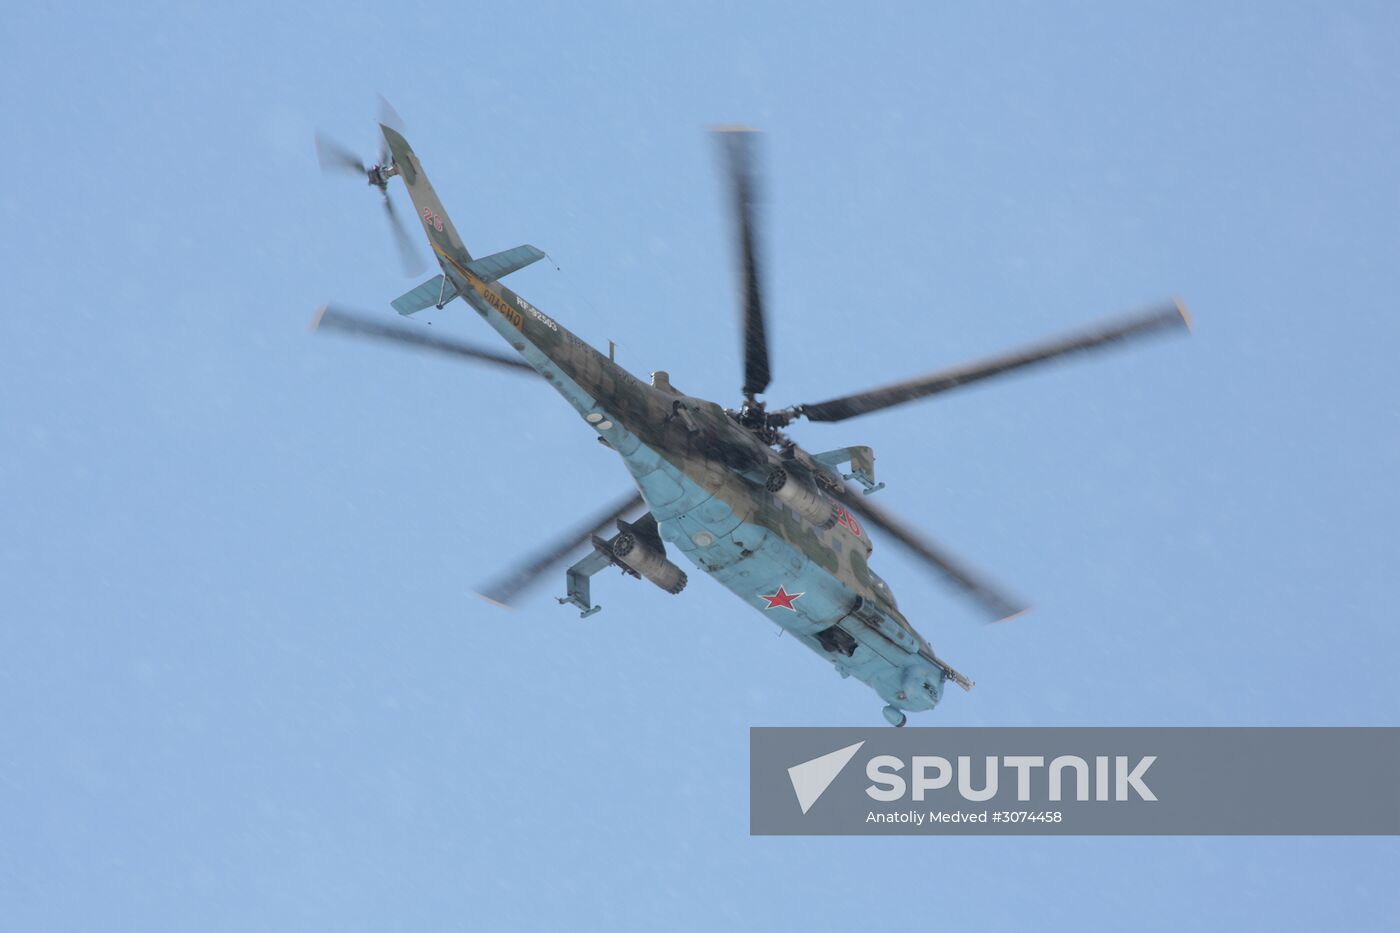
(726, 489)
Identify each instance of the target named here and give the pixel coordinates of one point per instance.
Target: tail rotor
(335, 158)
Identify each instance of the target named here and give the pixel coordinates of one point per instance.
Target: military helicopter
(725, 487)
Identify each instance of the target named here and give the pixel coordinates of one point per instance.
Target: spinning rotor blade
(738, 146)
(996, 603)
(363, 325)
(336, 158)
(506, 588)
(389, 117)
(409, 258)
(848, 406)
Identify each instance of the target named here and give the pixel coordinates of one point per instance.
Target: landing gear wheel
(895, 716)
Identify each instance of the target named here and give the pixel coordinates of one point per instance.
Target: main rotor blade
(409, 258)
(738, 145)
(996, 603)
(507, 587)
(363, 325)
(1138, 325)
(336, 158)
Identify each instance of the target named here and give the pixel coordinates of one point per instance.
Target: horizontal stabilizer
(435, 292)
(499, 265)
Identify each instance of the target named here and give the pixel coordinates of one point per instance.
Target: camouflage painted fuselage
(702, 475)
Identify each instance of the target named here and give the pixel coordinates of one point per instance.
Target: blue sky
(245, 683)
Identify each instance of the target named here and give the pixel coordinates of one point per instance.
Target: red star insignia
(782, 598)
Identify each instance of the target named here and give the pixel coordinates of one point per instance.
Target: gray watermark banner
(1075, 781)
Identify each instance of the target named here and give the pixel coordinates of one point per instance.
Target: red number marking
(846, 518)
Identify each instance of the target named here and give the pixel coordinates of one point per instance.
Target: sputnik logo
(782, 599)
(811, 778)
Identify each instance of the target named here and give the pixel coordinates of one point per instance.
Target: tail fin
(441, 234)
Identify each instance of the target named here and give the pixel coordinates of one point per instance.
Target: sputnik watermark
(1172, 781)
(917, 817)
(1112, 778)
(934, 772)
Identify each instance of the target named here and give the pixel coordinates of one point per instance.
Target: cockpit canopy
(882, 589)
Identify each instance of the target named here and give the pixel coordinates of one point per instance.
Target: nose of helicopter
(920, 688)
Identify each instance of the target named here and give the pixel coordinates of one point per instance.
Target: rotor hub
(379, 175)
